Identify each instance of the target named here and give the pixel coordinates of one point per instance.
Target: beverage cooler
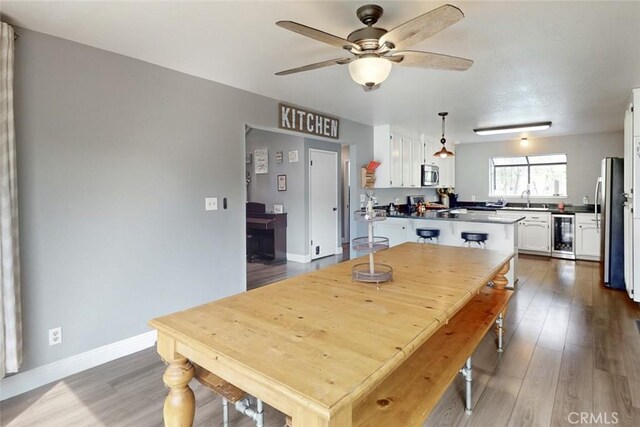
(563, 236)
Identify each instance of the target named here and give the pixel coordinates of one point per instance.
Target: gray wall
(263, 187)
(584, 154)
(115, 158)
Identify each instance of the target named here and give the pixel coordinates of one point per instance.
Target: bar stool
(428, 234)
(474, 237)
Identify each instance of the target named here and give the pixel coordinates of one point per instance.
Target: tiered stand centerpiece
(371, 272)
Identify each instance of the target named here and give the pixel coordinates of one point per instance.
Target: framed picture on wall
(261, 158)
(282, 182)
(278, 208)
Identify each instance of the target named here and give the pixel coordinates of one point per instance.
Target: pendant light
(443, 153)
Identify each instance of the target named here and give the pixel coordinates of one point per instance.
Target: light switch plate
(211, 204)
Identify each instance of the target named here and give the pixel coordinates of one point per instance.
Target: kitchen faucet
(528, 197)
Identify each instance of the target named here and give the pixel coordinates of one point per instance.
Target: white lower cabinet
(535, 236)
(534, 231)
(587, 237)
(397, 230)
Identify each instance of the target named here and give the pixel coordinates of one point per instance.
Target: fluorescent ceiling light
(527, 127)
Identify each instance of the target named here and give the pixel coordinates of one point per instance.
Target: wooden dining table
(312, 345)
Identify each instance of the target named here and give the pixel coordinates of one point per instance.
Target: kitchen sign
(299, 120)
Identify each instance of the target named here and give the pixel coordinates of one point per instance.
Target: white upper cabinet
(400, 159)
(416, 162)
(447, 169)
(397, 160)
(429, 149)
(446, 166)
(382, 154)
(636, 112)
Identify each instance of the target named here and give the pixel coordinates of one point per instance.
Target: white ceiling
(573, 63)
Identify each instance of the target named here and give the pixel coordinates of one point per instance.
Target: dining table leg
(500, 281)
(304, 417)
(179, 406)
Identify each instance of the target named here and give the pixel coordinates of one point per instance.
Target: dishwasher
(563, 236)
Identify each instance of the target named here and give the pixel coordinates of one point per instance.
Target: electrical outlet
(473, 198)
(55, 335)
(585, 200)
(211, 204)
(363, 198)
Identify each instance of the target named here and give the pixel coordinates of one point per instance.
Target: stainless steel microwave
(430, 175)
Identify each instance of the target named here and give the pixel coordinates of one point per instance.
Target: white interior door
(323, 202)
(346, 194)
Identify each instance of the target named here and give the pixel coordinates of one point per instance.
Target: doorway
(346, 193)
(323, 203)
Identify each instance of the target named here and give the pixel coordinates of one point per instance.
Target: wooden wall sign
(299, 120)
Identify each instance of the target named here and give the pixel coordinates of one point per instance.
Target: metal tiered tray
(363, 273)
(368, 216)
(371, 272)
(362, 244)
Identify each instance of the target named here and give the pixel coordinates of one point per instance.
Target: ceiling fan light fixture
(526, 127)
(369, 71)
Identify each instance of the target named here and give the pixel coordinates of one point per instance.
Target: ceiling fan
(376, 49)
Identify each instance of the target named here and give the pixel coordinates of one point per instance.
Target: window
(544, 176)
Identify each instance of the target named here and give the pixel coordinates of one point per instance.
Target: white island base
(503, 233)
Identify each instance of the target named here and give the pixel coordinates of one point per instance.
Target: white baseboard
(37, 377)
(298, 258)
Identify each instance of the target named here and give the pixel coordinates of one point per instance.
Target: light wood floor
(571, 347)
(259, 274)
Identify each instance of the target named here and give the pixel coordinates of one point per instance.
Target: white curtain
(10, 307)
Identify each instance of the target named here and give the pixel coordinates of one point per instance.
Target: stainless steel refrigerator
(610, 202)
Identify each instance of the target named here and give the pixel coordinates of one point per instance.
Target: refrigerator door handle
(596, 198)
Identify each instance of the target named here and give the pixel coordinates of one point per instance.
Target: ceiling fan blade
(318, 35)
(337, 61)
(436, 61)
(422, 27)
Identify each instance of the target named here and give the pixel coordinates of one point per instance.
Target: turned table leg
(500, 281)
(179, 406)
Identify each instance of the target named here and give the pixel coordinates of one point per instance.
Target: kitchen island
(502, 230)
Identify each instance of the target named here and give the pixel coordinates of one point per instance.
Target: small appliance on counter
(414, 200)
(412, 203)
(453, 200)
